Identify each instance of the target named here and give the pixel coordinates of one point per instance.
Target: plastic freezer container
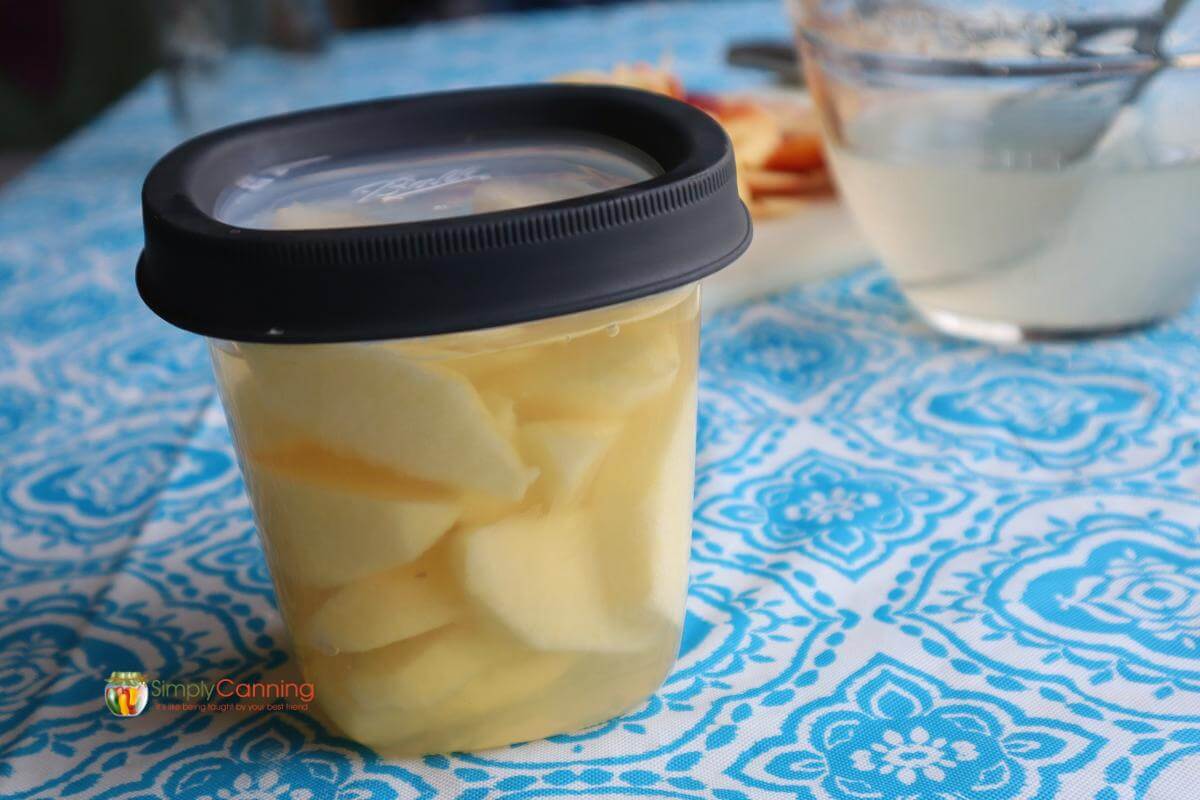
(456, 341)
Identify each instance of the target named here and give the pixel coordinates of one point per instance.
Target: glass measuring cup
(1023, 173)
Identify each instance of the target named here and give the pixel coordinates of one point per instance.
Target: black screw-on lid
(649, 203)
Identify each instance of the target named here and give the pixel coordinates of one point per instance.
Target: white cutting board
(816, 242)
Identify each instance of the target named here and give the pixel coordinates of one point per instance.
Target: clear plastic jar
(514, 516)
(460, 375)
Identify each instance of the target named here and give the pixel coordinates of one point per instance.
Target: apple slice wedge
(506, 686)
(566, 453)
(367, 722)
(596, 375)
(643, 506)
(420, 419)
(324, 534)
(385, 608)
(420, 674)
(539, 577)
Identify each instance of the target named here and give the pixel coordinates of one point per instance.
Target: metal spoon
(1061, 123)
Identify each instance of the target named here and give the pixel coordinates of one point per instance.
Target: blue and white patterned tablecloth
(922, 569)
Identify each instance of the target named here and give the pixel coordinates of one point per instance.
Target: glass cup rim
(1097, 66)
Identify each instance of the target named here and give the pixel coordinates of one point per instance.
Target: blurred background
(62, 62)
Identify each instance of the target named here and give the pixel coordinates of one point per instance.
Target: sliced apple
(777, 183)
(765, 208)
(504, 412)
(575, 701)
(422, 673)
(385, 608)
(539, 577)
(482, 509)
(323, 534)
(798, 152)
(506, 686)
(369, 723)
(599, 374)
(752, 129)
(255, 428)
(478, 365)
(418, 418)
(479, 353)
(567, 453)
(643, 504)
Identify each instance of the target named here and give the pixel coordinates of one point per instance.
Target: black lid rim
(482, 321)
(440, 276)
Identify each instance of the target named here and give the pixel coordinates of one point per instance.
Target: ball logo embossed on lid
(405, 186)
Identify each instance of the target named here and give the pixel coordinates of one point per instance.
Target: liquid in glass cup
(477, 537)
(1022, 172)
